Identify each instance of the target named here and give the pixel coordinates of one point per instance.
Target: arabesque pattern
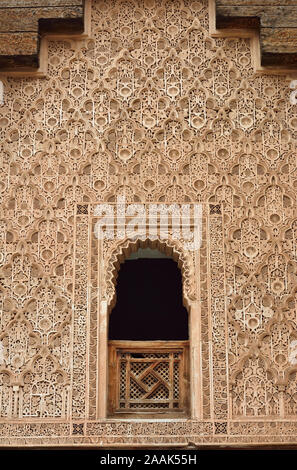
(153, 108)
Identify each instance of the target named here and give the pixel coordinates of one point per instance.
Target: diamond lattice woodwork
(148, 377)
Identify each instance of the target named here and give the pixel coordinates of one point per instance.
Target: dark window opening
(149, 301)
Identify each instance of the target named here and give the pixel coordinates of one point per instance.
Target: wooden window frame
(195, 366)
(116, 348)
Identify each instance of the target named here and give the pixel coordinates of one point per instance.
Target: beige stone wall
(153, 108)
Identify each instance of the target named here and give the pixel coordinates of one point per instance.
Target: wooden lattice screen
(148, 377)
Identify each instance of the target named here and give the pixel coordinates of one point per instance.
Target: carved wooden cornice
(275, 20)
(24, 22)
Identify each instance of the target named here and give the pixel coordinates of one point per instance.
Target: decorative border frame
(127, 434)
(96, 264)
(211, 427)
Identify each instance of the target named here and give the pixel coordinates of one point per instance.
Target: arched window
(148, 338)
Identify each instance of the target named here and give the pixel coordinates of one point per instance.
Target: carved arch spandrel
(116, 255)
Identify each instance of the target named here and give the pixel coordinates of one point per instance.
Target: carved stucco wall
(153, 108)
(23, 23)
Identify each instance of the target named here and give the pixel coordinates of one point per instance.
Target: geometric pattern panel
(150, 379)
